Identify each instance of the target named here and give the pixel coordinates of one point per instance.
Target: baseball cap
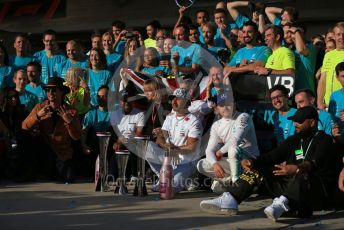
(125, 95)
(307, 112)
(180, 93)
(223, 99)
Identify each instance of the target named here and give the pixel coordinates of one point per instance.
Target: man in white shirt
(127, 122)
(180, 134)
(234, 134)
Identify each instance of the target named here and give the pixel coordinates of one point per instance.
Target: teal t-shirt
(336, 106)
(257, 53)
(151, 70)
(95, 80)
(189, 55)
(62, 68)
(305, 68)
(218, 40)
(6, 79)
(241, 20)
(29, 100)
(49, 64)
(277, 21)
(113, 61)
(283, 128)
(120, 47)
(19, 62)
(325, 122)
(98, 120)
(38, 91)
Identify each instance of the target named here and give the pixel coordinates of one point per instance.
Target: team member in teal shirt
(224, 28)
(98, 75)
(6, 79)
(306, 97)
(250, 56)
(151, 67)
(75, 59)
(283, 128)
(185, 56)
(96, 120)
(336, 106)
(21, 58)
(49, 57)
(113, 59)
(305, 56)
(35, 86)
(29, 100)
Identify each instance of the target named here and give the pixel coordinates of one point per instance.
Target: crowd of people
(53, 103)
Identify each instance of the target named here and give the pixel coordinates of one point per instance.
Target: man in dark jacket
(300, 173)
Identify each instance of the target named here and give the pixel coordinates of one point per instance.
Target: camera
(129, 34)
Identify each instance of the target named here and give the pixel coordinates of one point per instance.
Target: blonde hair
(74, 76)
(159, 89)
(107, 34)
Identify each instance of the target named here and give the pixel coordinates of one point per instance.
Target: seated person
(300, 173)
(236, 135)
(180, 134)
(127, 123)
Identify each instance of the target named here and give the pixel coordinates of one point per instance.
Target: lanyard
(155, 113)
(309, 145)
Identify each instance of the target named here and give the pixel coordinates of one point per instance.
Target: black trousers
(303, 192)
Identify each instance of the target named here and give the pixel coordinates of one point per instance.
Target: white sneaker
(277, 208)
(223, 205)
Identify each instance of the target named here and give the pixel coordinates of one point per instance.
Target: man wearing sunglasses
(58, 124)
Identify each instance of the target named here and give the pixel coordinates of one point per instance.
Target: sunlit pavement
(46, 205)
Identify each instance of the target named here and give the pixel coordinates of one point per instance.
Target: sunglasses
(50, 90)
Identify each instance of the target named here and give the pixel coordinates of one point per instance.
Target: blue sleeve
(332, 106)
(196, 58)
(328, 125)
(241, 20)
(277, 21)
(88, 120)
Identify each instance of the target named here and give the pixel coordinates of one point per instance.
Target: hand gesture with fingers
(65, 114)
(283, 169)
(44, 112)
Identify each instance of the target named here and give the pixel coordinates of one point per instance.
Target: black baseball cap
(307, 112)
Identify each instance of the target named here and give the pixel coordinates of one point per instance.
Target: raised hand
(65, 114)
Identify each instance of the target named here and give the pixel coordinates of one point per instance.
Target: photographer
(58, 125)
